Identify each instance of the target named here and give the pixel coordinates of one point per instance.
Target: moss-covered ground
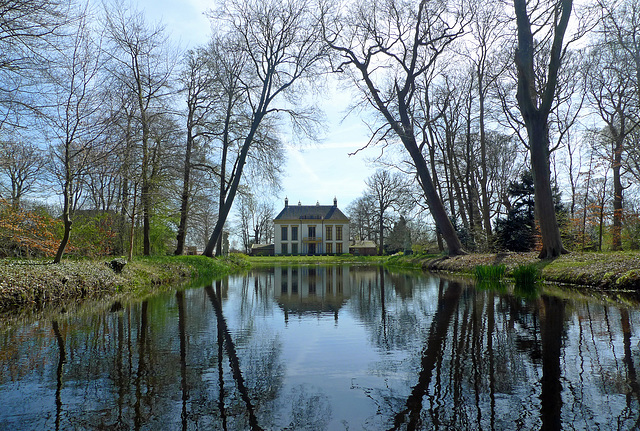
(610, 270)
(35, 284)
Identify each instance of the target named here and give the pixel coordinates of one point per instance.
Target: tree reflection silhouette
(447, 305)
(183, 357)
(233, 357)
(62, 359)
(552, 327)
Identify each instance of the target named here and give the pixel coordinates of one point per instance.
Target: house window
(338, 248)
(284, 233)
(294, 246)
(329, 234)
(312, 231)
(329, 248)
(338, 233)
(294, 233)
(294, 281)
(284, 249)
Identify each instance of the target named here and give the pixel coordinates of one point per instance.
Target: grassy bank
(310, 260)
(34, 284)
(609, 270)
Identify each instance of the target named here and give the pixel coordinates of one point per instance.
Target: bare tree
(612, 86)
(362, 219)
(283, 46)
(75, 119)
(197, 80)
(256, 221)
(21, 164)
(388, 47)
(144, 64)
(488, 31)
(27, 32)
(535, 100)
(388, 191)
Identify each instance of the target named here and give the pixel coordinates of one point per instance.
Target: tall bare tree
(488, 31)
(21, 164)
(197, 80)
(388, 47)
(75, 118)
(28, 29)
(535, 99)
(144, 63)
(613, 88)
(388, 192)
(282, 42)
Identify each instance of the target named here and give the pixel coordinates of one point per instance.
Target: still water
(328, 348)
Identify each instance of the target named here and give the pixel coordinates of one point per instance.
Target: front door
(312, 248)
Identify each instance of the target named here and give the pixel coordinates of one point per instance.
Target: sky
(315, 172)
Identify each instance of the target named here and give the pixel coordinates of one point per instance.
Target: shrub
(27, 233)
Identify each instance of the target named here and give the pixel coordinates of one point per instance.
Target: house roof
(311, 212)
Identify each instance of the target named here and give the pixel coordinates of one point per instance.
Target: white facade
(311, 230)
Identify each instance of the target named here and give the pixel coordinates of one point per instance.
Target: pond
(328, 348)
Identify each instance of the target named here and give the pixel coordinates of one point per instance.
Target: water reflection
(324, 348)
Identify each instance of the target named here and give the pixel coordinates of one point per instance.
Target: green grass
(310, 260)
(490, 277)
(29, 283)
(410, 261)
(526, 276)
(489, 272)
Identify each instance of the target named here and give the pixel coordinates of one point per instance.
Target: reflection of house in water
(312, 289)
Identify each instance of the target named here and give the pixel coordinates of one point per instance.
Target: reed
(489, 272)
(526, 276)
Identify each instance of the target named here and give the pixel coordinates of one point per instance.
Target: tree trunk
(133, 226)
(233, 188)
(381, 229)
(616, 234)
(66, 213)
(536, 117)
(223, 167)
(486, 208)
(436, 208)
(544, 204)
(184, 200)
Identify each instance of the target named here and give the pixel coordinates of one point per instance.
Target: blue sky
(314, 172)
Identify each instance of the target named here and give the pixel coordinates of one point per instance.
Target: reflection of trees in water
(305, 408)
(494, 361)
(497, 361)
(393, 320)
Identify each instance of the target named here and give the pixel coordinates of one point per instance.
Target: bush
(27, 233)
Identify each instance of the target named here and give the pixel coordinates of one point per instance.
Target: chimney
(286, 202)
(335, 202)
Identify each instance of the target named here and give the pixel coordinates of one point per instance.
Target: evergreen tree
(518, 231)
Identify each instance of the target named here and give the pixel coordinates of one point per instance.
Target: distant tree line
(470, 105)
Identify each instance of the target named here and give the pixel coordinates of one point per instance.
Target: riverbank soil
(34, 284)
(610, 270)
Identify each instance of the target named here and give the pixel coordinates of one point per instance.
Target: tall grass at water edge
(526, 275)
(489, 272)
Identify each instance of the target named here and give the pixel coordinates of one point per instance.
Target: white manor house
(311, 230)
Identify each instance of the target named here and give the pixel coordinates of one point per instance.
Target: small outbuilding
(363, 248)
(262, 250)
